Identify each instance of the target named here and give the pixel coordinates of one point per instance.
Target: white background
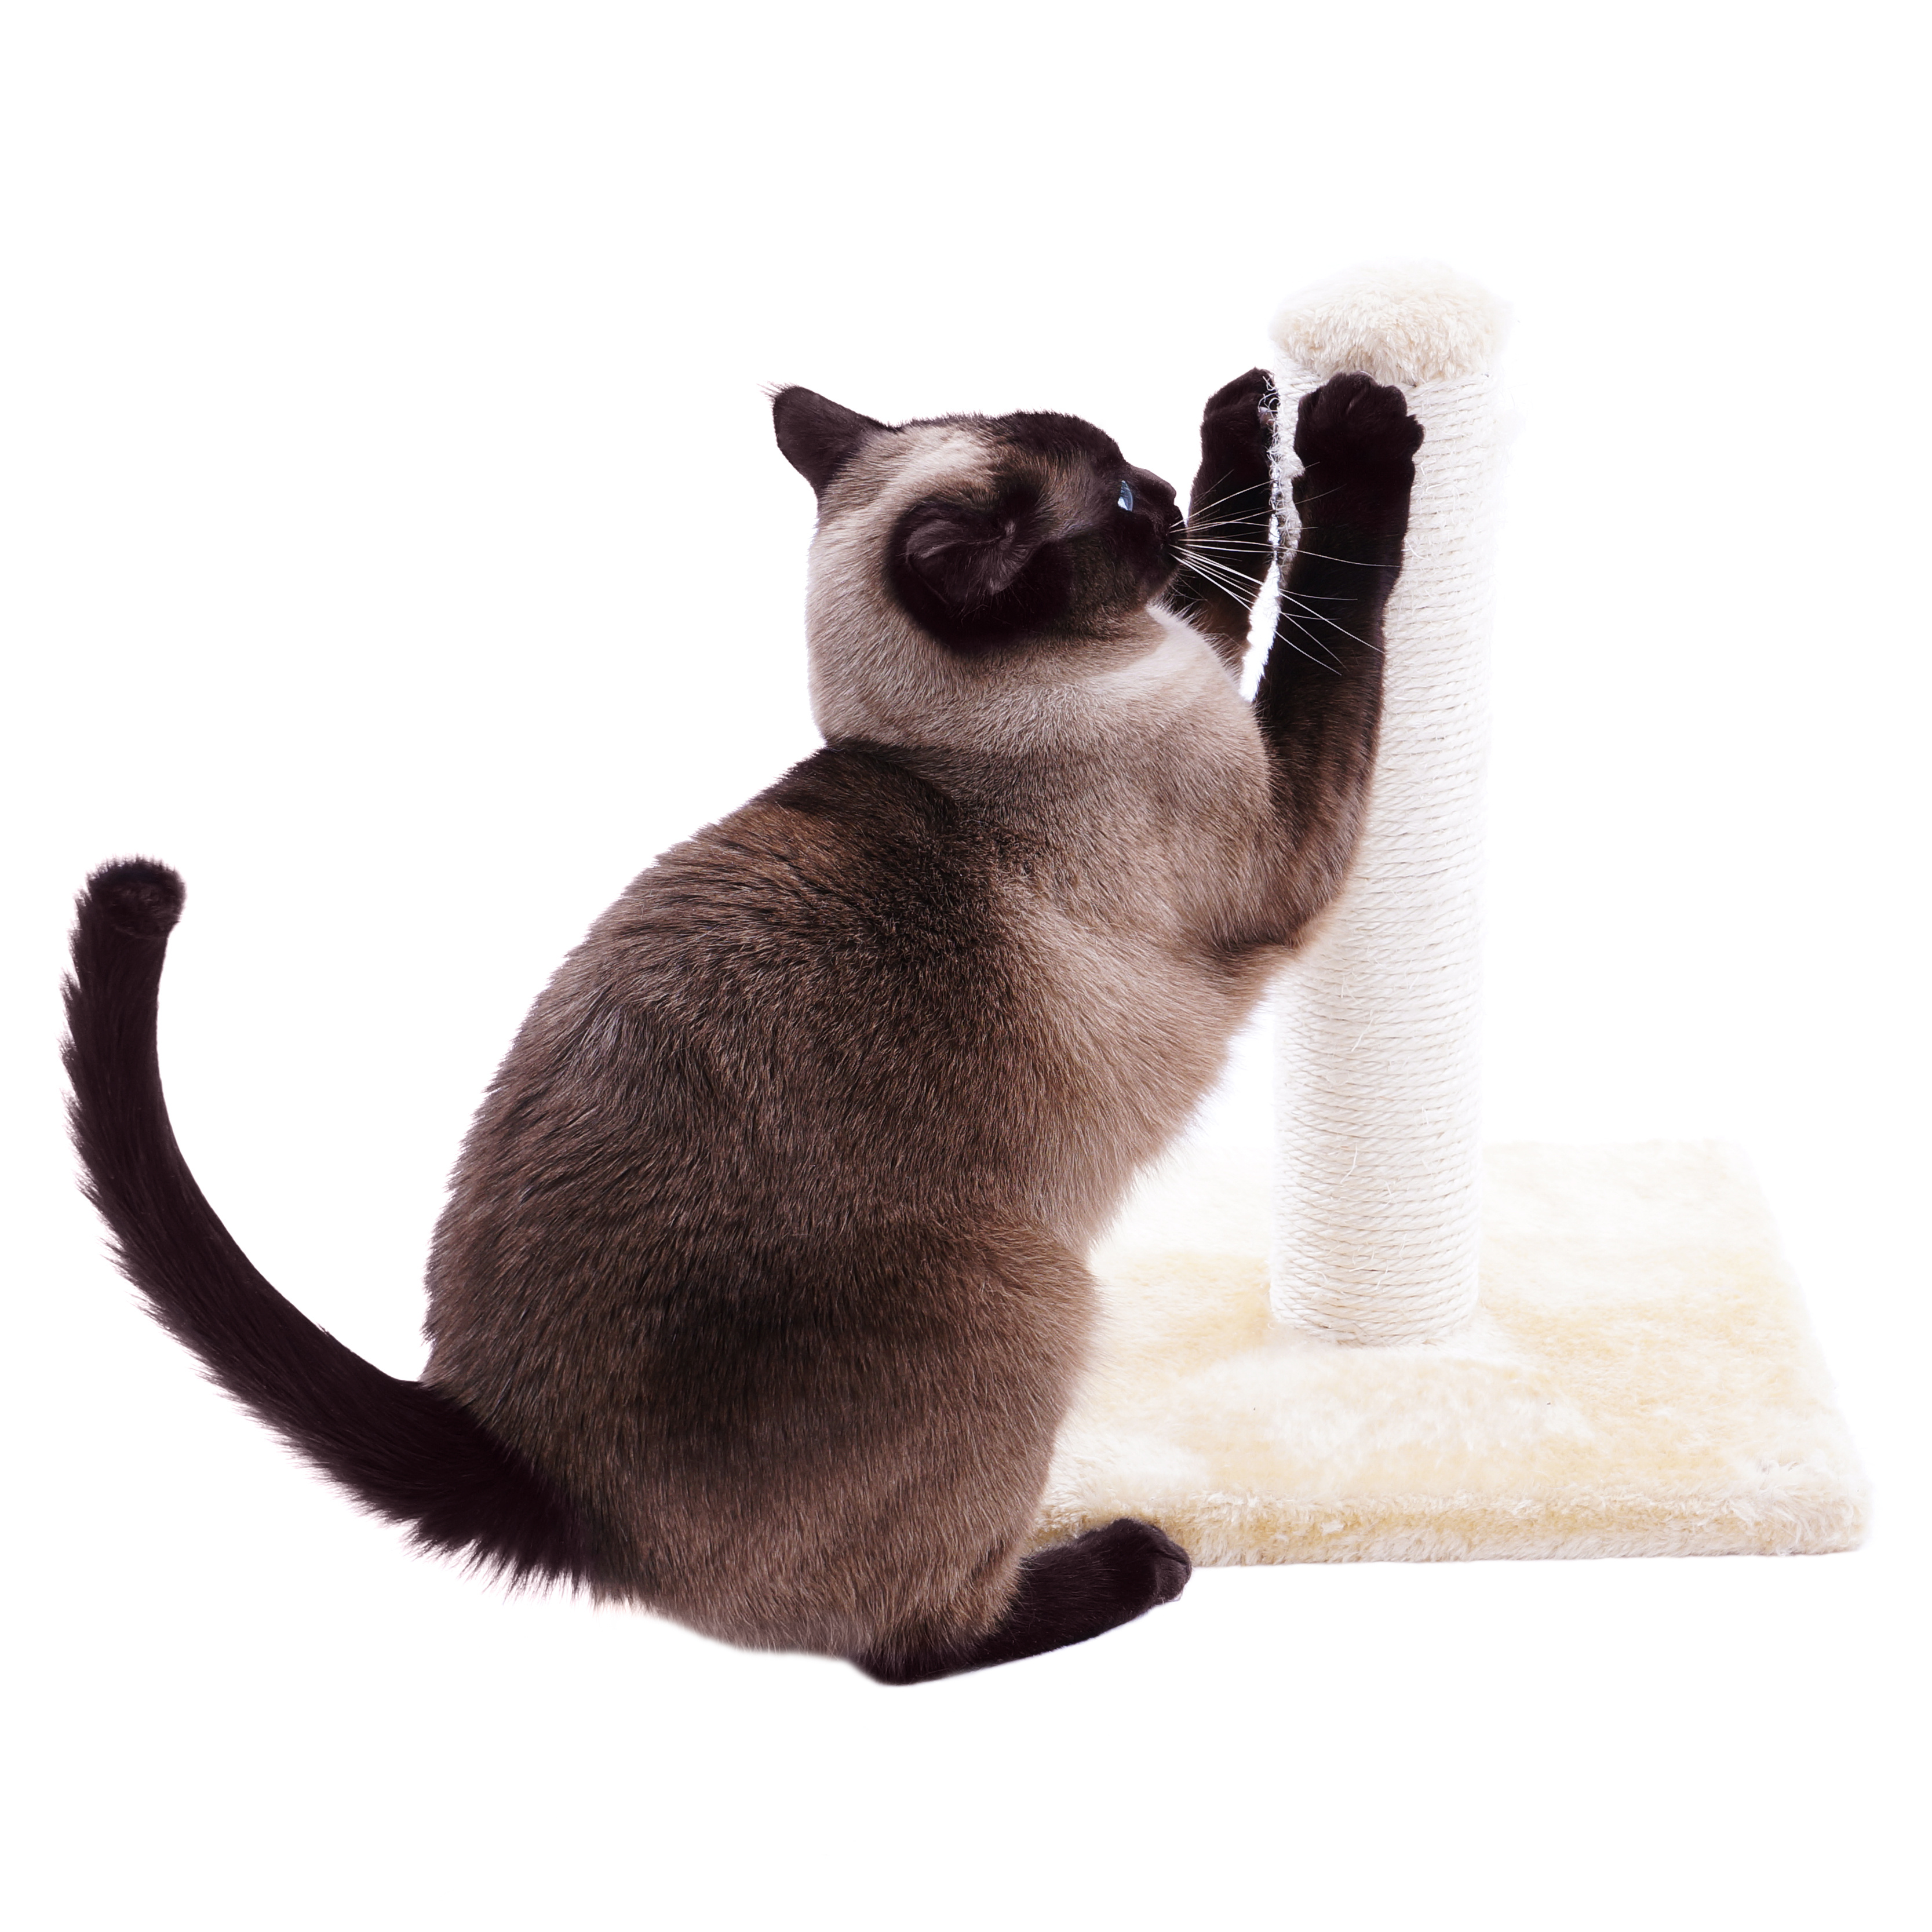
(395, 543)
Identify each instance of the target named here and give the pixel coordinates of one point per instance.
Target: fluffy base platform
(1640, 1381)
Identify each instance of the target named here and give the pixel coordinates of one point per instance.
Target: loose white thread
(1378, 1104)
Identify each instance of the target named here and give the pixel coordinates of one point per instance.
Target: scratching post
(1577, 1352)
(1379, 1172)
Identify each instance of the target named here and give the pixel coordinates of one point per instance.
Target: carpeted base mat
(1640, 1381)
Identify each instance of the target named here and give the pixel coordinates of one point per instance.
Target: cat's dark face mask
(1055, 535)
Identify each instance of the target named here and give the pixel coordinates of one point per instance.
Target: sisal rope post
(1377, 1196)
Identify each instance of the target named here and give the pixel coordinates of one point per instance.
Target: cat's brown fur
(763, 1262)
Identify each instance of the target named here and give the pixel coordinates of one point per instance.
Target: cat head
(962, 560)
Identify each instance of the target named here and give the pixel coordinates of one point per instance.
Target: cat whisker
(1253, 520)
(1236, 530)
(1243, 541)
(1226, 496)
(1327, 663)
(1321, 617)
(1213, 546)
(1223, 575)
(1257, 494)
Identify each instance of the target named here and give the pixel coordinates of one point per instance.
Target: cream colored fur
(1407, 323)
(1640, 1381)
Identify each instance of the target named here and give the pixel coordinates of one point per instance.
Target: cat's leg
(1319, 701)
(1229, 509)
(1065, 1594)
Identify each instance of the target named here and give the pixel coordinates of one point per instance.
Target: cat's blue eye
(1125, 499)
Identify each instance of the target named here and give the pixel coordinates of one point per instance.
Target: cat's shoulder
(853, 837)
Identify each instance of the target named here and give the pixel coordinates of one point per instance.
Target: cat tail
(403, 1450)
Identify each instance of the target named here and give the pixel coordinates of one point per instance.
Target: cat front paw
(1237, 429)
(1357, 429)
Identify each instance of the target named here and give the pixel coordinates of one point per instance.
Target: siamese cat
(760, 1292)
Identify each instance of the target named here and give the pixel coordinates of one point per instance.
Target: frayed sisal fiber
(1378, 1176)
(1639, 1381)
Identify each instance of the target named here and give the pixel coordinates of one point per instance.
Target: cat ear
(817, 437)
(974, 576)
(967, 557)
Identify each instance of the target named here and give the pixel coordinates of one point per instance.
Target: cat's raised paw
(1357, 442)
(1356, 426)
(1237, 426)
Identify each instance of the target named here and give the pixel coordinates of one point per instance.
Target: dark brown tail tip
(139, 897)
